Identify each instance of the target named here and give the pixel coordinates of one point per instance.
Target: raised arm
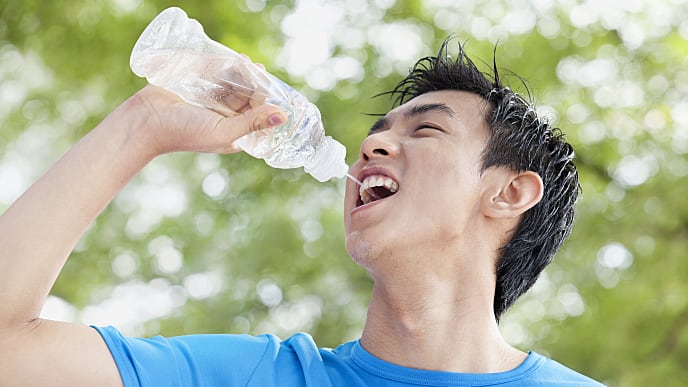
(39, 230)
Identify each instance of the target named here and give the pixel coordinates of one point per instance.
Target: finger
(260, 65)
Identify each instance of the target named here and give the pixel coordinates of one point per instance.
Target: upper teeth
(375, 181)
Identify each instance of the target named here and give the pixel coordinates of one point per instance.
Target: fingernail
(275, 119)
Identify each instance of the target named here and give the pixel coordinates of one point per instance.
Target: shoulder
(222, 359)
(550, 372)
(150, 361)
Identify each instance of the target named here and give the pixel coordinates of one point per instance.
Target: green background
(206, 243)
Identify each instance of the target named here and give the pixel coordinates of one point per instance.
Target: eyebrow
(416, 110)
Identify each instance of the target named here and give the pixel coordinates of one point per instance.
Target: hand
(169, 124)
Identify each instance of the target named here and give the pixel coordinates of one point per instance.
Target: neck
(438, 325)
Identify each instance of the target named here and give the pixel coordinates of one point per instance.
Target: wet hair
(519, 139)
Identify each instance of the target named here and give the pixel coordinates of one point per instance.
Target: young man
(467, 194)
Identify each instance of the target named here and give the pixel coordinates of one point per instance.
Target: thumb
(257, 118)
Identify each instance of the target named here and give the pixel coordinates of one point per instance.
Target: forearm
(38, 232)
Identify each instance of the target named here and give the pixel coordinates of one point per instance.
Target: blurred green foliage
(205, 243)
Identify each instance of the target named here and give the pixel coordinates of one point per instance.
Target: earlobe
(514, 194)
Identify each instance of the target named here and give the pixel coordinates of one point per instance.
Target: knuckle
(255, 124)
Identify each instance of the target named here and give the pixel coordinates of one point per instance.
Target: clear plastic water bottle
(174, 53)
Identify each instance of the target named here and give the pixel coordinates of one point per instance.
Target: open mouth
(376, 187)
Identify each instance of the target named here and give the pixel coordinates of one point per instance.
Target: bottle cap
(329, 161)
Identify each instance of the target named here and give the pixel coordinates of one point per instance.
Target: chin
(359, 249)
(366, 252)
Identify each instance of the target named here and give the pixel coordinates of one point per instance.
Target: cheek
(443, 212)
(436, 221)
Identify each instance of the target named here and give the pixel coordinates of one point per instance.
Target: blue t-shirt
(263, 361)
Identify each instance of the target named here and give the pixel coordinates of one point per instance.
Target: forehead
(449, 108)
(464, 106)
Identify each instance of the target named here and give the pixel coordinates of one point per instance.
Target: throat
(437, 337)
(373, 194)
(378, 193)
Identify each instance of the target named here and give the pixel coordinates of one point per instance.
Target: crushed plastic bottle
(174, 53)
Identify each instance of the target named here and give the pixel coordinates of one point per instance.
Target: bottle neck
(328, 161)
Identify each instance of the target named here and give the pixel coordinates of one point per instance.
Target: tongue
(379, 192)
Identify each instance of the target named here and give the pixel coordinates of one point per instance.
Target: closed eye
(428, 127)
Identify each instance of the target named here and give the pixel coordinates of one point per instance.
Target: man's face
(424, 160)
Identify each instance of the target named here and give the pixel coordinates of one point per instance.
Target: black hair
(521, 140)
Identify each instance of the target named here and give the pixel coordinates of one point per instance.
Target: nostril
(375, 152)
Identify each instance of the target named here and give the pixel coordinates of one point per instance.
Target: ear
(509, 194)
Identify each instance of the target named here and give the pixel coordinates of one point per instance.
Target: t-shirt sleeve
(194, 360)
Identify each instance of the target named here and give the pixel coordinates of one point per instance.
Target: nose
(381, 144)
